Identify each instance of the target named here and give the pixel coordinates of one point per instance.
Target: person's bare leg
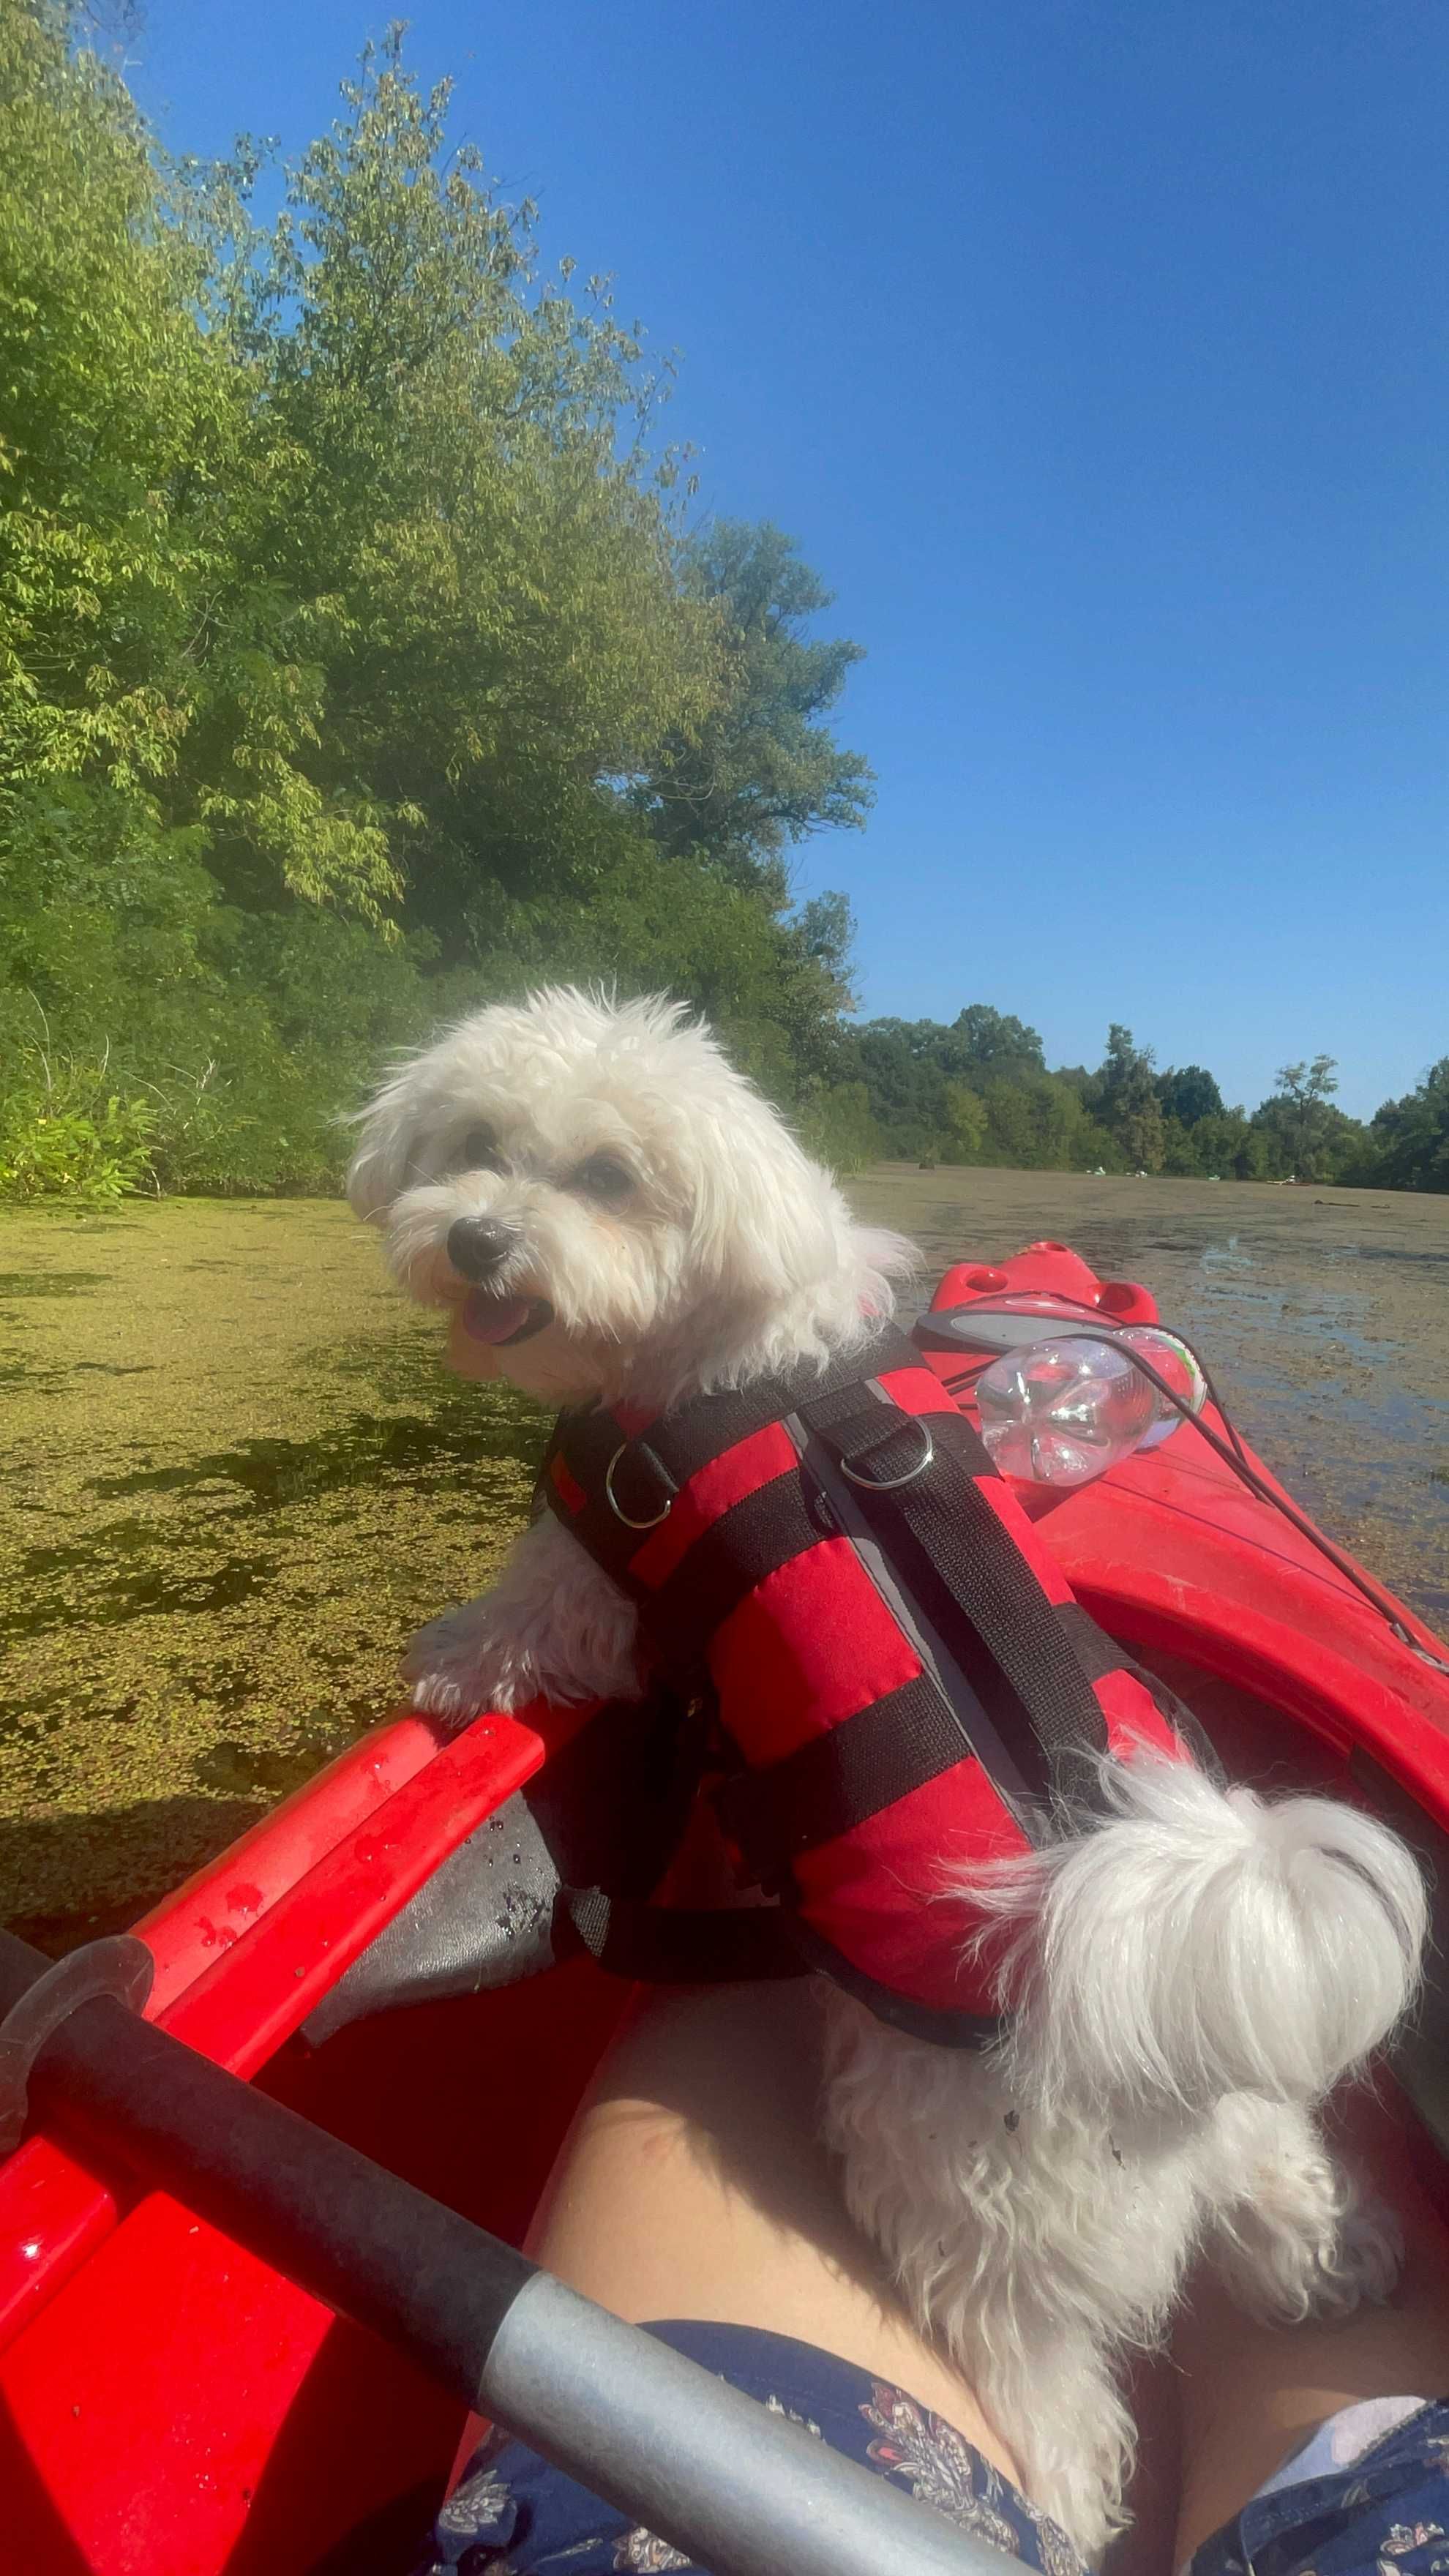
(693, 2184)
(1251, 2393)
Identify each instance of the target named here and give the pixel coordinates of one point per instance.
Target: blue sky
(1097, 353)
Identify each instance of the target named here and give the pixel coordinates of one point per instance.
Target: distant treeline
(978, 1091)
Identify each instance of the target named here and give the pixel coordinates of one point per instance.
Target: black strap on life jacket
(958, 1555)
(1017, 1689)
(679, 1945)
(736, 1945)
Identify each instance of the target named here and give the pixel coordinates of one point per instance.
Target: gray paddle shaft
(747, 2493)
(744, 2492)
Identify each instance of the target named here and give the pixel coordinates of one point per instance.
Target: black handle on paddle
(746, 2493)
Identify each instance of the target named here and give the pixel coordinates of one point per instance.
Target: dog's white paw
(463, 1663)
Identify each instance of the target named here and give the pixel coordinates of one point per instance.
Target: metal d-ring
(891, 1484)
(616, 1506)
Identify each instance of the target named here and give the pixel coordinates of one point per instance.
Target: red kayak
(171, 2405)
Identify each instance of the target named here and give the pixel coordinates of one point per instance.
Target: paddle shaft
(746, 2493)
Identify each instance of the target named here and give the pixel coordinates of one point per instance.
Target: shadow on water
(56, 1379)
(274, 1473)
(50, 1283)
(1398, 1252)
(134, 1847)
(143, 1595)
(209, 1546)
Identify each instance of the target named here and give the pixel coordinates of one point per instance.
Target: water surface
(234, 1475)
(1323, 1315)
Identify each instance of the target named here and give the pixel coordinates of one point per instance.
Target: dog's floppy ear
(389, 1128)
(766, 1219)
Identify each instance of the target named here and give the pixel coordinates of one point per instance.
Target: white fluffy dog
(610, 1210)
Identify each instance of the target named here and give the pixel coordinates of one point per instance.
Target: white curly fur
(1188, 1980)
(1188, 1977)
(734, 1256)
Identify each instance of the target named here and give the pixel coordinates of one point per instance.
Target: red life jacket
(900, 1666)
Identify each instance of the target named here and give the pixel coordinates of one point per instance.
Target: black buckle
(120, 1966)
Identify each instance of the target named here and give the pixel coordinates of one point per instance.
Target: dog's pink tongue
(492, 1319)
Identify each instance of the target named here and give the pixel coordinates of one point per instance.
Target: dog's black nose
(477, 1245)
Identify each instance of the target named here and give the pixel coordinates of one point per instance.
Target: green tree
(763, 770)
(1179, 1153)
(1126, 1101)
(651, 924)
(1188, 1093)
(835, 1123)
(355, 666)
(1042, 1124)
(483, 629)
(825, 930)
(343, 613)
(347, 547)
(1299, 1118)
(1410, 1137)
(914, 1068)
(989, 1039)
(898, 1060)
(119, 419)
(966, 1122)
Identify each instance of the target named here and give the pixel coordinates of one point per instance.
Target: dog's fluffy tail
(1199, 1942)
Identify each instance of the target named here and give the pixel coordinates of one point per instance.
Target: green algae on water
(235, 1476)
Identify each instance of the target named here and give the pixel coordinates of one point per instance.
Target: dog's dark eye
(479, 1151)
(603, 1176)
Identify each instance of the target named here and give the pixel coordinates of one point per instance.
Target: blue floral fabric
(1367, 2494)
(513, 2515)
(1356, 2500)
